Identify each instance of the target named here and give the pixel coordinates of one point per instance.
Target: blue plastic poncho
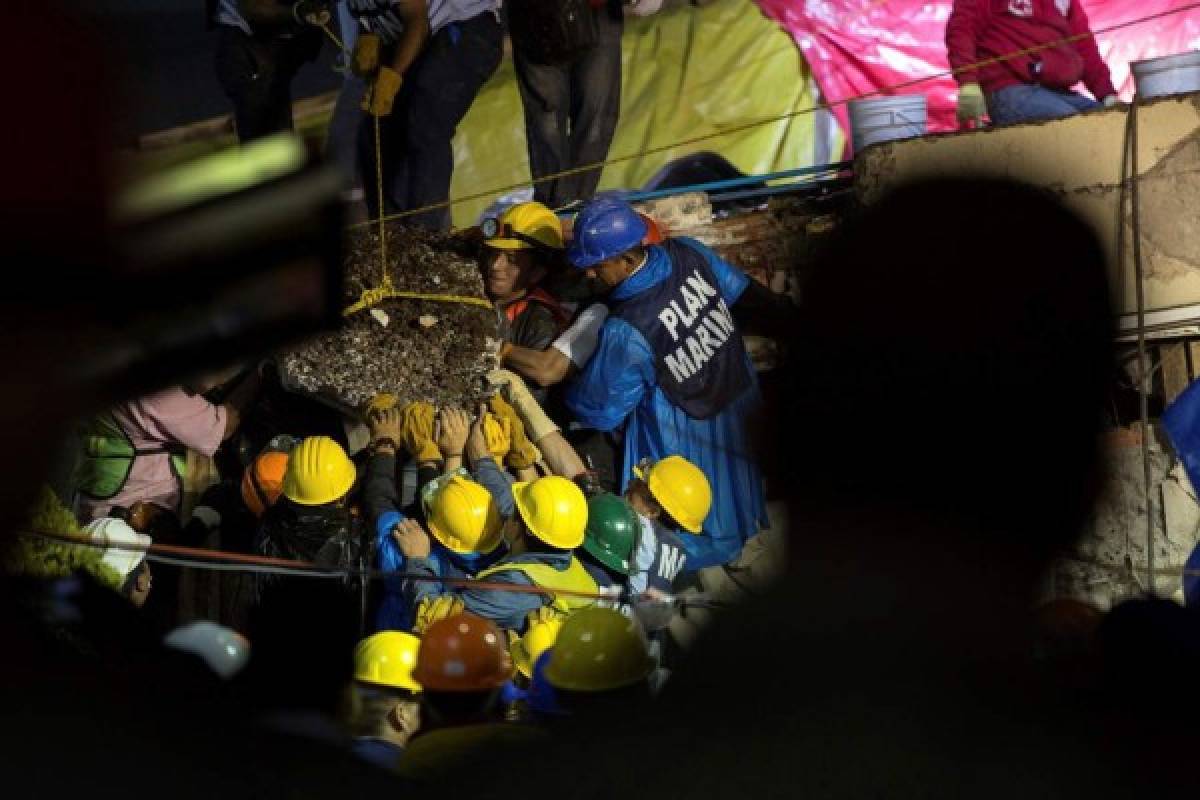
(619, 385)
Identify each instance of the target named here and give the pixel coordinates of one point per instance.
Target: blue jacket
(394, 612)
(506, 609)
(619, 386)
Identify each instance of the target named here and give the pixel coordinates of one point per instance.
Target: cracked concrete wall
(1107, 563)
(1080, 159)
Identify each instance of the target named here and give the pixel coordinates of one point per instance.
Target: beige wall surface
(1080, 159)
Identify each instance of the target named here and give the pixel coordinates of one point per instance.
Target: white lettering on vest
(694, 304)
(699, 355)
(670, 561)
(687, 321)
(670, 321)
(680, 365)
(724, 317)
(700, 286)
(706, 339)
(711, 323)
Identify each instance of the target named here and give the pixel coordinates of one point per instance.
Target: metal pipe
(1144, 374)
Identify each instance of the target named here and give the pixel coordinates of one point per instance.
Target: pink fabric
(170, 417)
(859, 46)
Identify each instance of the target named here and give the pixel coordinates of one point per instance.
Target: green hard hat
(612, 530)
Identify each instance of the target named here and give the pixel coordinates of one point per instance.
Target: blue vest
(699, 356)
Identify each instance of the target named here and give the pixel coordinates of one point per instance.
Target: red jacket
(981, 29)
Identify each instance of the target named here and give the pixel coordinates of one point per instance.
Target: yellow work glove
(365, 59)
(498, 433)
(380, 403)
(543, 616)
(522, 454)
(430, 611)
(537, 425)
(382, 92)
(416, 432)
(972, 107)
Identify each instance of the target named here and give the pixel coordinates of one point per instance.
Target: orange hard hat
(654, 233)
(463, 653)
(262, 481)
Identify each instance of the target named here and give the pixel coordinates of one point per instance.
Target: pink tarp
(860, 46)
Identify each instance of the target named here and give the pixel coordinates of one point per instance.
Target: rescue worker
(609, 541)
(599, 664)
(261, 46)
(434, 59)
(541, 537)
(670, 369)
(262, 481)
(386, 707)
(521, 247)
(462, 509)
(672, 498)
(543, 439)
(313, 520)
(462, 666)
(138, 450)
(1030, 86)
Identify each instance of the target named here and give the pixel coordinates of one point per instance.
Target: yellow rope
(373, 297)
(333, 37)
(386, 279)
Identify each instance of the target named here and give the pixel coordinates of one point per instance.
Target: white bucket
(1159, 77)
(882, 119)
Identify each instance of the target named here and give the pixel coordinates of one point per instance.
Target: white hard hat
(224, 650)
(124, 548)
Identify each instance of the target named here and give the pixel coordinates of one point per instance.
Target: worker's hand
(497, 432)
(385, 425)
(430, 610)
(1110, 101)
(523, 453)
(455, 427)
(972, 107)
(477, 446)
(365, 58)
(502, 354)
(416, 433)
(382, 92)
(312, 12)
(412, 539)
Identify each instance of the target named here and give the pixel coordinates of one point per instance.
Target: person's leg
(1030, 103)
(391, 150)
(341, 143)
(595, 103)
(247, 74)
(545, 97)
(456, 64)
(341, 140)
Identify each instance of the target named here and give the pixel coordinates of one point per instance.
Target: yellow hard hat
(463, 516)
(387, 658)
(318, 472)
(681, 488)
(599, 649)
(523, 227)
(538, 639)
(554, 509)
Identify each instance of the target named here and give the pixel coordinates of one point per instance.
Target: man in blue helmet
(670, 365)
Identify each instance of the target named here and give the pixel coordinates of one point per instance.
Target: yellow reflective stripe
(573, 579)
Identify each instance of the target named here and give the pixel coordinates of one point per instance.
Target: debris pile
(415, 349)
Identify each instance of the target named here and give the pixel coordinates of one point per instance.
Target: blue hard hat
(604, 228)
(542, 697)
